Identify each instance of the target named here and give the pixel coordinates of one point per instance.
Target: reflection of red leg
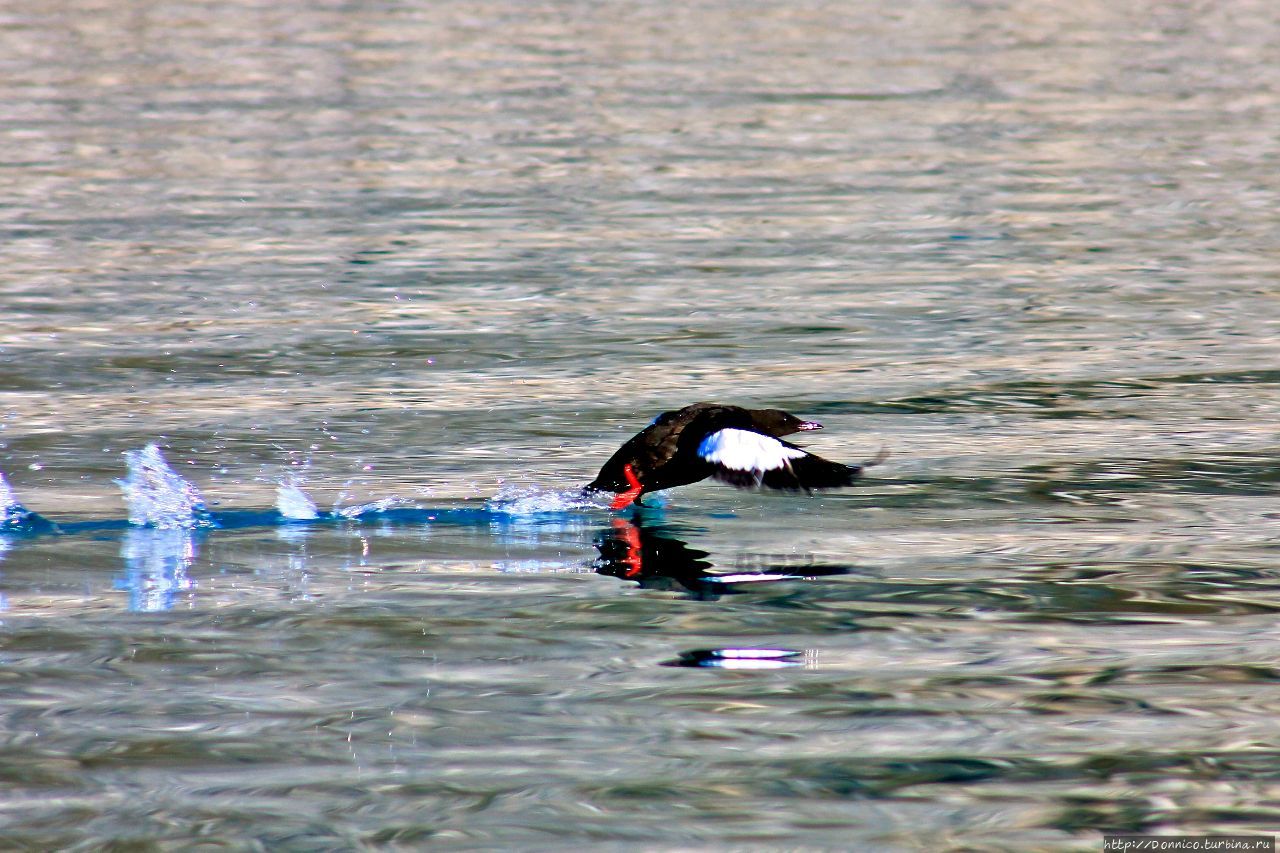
(630, 494)
(630, 535)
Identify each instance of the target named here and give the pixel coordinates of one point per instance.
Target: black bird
(741, 447)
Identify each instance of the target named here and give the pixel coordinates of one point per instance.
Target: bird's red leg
(630, 494)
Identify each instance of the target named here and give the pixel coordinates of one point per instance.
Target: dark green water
(438, 252)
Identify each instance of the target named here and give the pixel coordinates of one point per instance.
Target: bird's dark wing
(644, 451)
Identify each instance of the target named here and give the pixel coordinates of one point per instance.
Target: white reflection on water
(10, 509)
(156, 564)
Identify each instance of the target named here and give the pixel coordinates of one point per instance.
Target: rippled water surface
(383, 283)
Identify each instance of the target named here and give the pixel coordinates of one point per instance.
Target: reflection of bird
(633, 552)
(658, 560)
(742, 447)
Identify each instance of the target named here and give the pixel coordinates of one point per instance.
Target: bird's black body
(672, 451)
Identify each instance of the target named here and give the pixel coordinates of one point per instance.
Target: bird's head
(778, 423)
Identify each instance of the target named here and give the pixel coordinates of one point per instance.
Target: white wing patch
(743, 450)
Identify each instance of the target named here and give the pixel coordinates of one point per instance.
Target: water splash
(11, 512)
(158, 496)
(374, 507)
(16, 518)
(517, 501)
(294, 504)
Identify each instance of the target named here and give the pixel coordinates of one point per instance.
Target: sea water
(353, 299)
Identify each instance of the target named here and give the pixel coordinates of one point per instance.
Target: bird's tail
(880, 457)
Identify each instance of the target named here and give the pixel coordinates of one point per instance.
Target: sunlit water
(314, 319)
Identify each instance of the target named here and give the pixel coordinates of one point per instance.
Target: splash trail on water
(159, 498)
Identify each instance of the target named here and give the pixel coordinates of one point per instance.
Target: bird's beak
(805, 426)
